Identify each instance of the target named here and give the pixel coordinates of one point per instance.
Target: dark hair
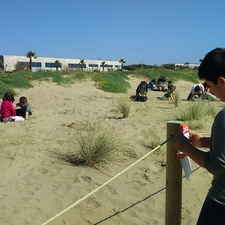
(213, 65)
(143, 82)
(197, 88)
(8, 96)
(154, 81)
(23, 100)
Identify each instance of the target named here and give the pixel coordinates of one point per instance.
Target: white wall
(11, 61)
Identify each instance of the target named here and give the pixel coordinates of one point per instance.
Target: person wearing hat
(196, 91)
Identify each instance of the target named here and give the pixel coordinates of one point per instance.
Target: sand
(36, 185)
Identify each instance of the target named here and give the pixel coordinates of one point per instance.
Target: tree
(31, 55)
(82, 63)
(103, 65)
(122, 61)
(57, 64)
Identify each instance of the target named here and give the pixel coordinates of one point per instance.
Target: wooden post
(173, 179)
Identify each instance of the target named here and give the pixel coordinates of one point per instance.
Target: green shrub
(115, 82)
(111, 81)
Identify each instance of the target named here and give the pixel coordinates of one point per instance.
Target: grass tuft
(124, 107)
(197, 110)
(196, 113)
(95, 147)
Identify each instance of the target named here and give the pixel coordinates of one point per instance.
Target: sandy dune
(36, 185)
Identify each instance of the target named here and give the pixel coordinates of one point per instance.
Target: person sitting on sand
(169, 94)
(170, 85)
(141, 92)
(7, 109)
(25, 108)
(196, 91)
(161, 84)
(151, 85)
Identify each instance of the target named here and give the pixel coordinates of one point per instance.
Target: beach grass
(124, 107)
(177, 99)
(94, 147)
(197, 112)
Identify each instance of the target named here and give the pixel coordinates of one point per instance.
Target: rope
(101, 186)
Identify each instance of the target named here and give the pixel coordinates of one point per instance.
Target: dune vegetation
(111, 81)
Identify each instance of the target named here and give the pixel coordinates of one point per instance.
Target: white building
(41, 63)
(190, 65)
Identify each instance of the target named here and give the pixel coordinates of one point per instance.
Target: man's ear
(221, 80)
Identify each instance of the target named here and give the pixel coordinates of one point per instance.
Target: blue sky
(139, 31)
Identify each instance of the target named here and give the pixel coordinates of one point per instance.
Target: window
(52, 65)
(106, 65)
(76, 65)
(93, 65)
(36, 64)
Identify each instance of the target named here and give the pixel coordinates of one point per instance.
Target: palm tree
(31, 55)
(103, 65)
(57, 64)
(122, 61)
(82, 63)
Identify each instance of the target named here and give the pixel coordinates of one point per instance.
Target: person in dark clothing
(141, 92)
(151, 85)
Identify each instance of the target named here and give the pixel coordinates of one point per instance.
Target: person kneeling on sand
(169, 94)
(196, 91)
(141, 92)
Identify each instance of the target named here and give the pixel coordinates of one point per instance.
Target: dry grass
(124, 107)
